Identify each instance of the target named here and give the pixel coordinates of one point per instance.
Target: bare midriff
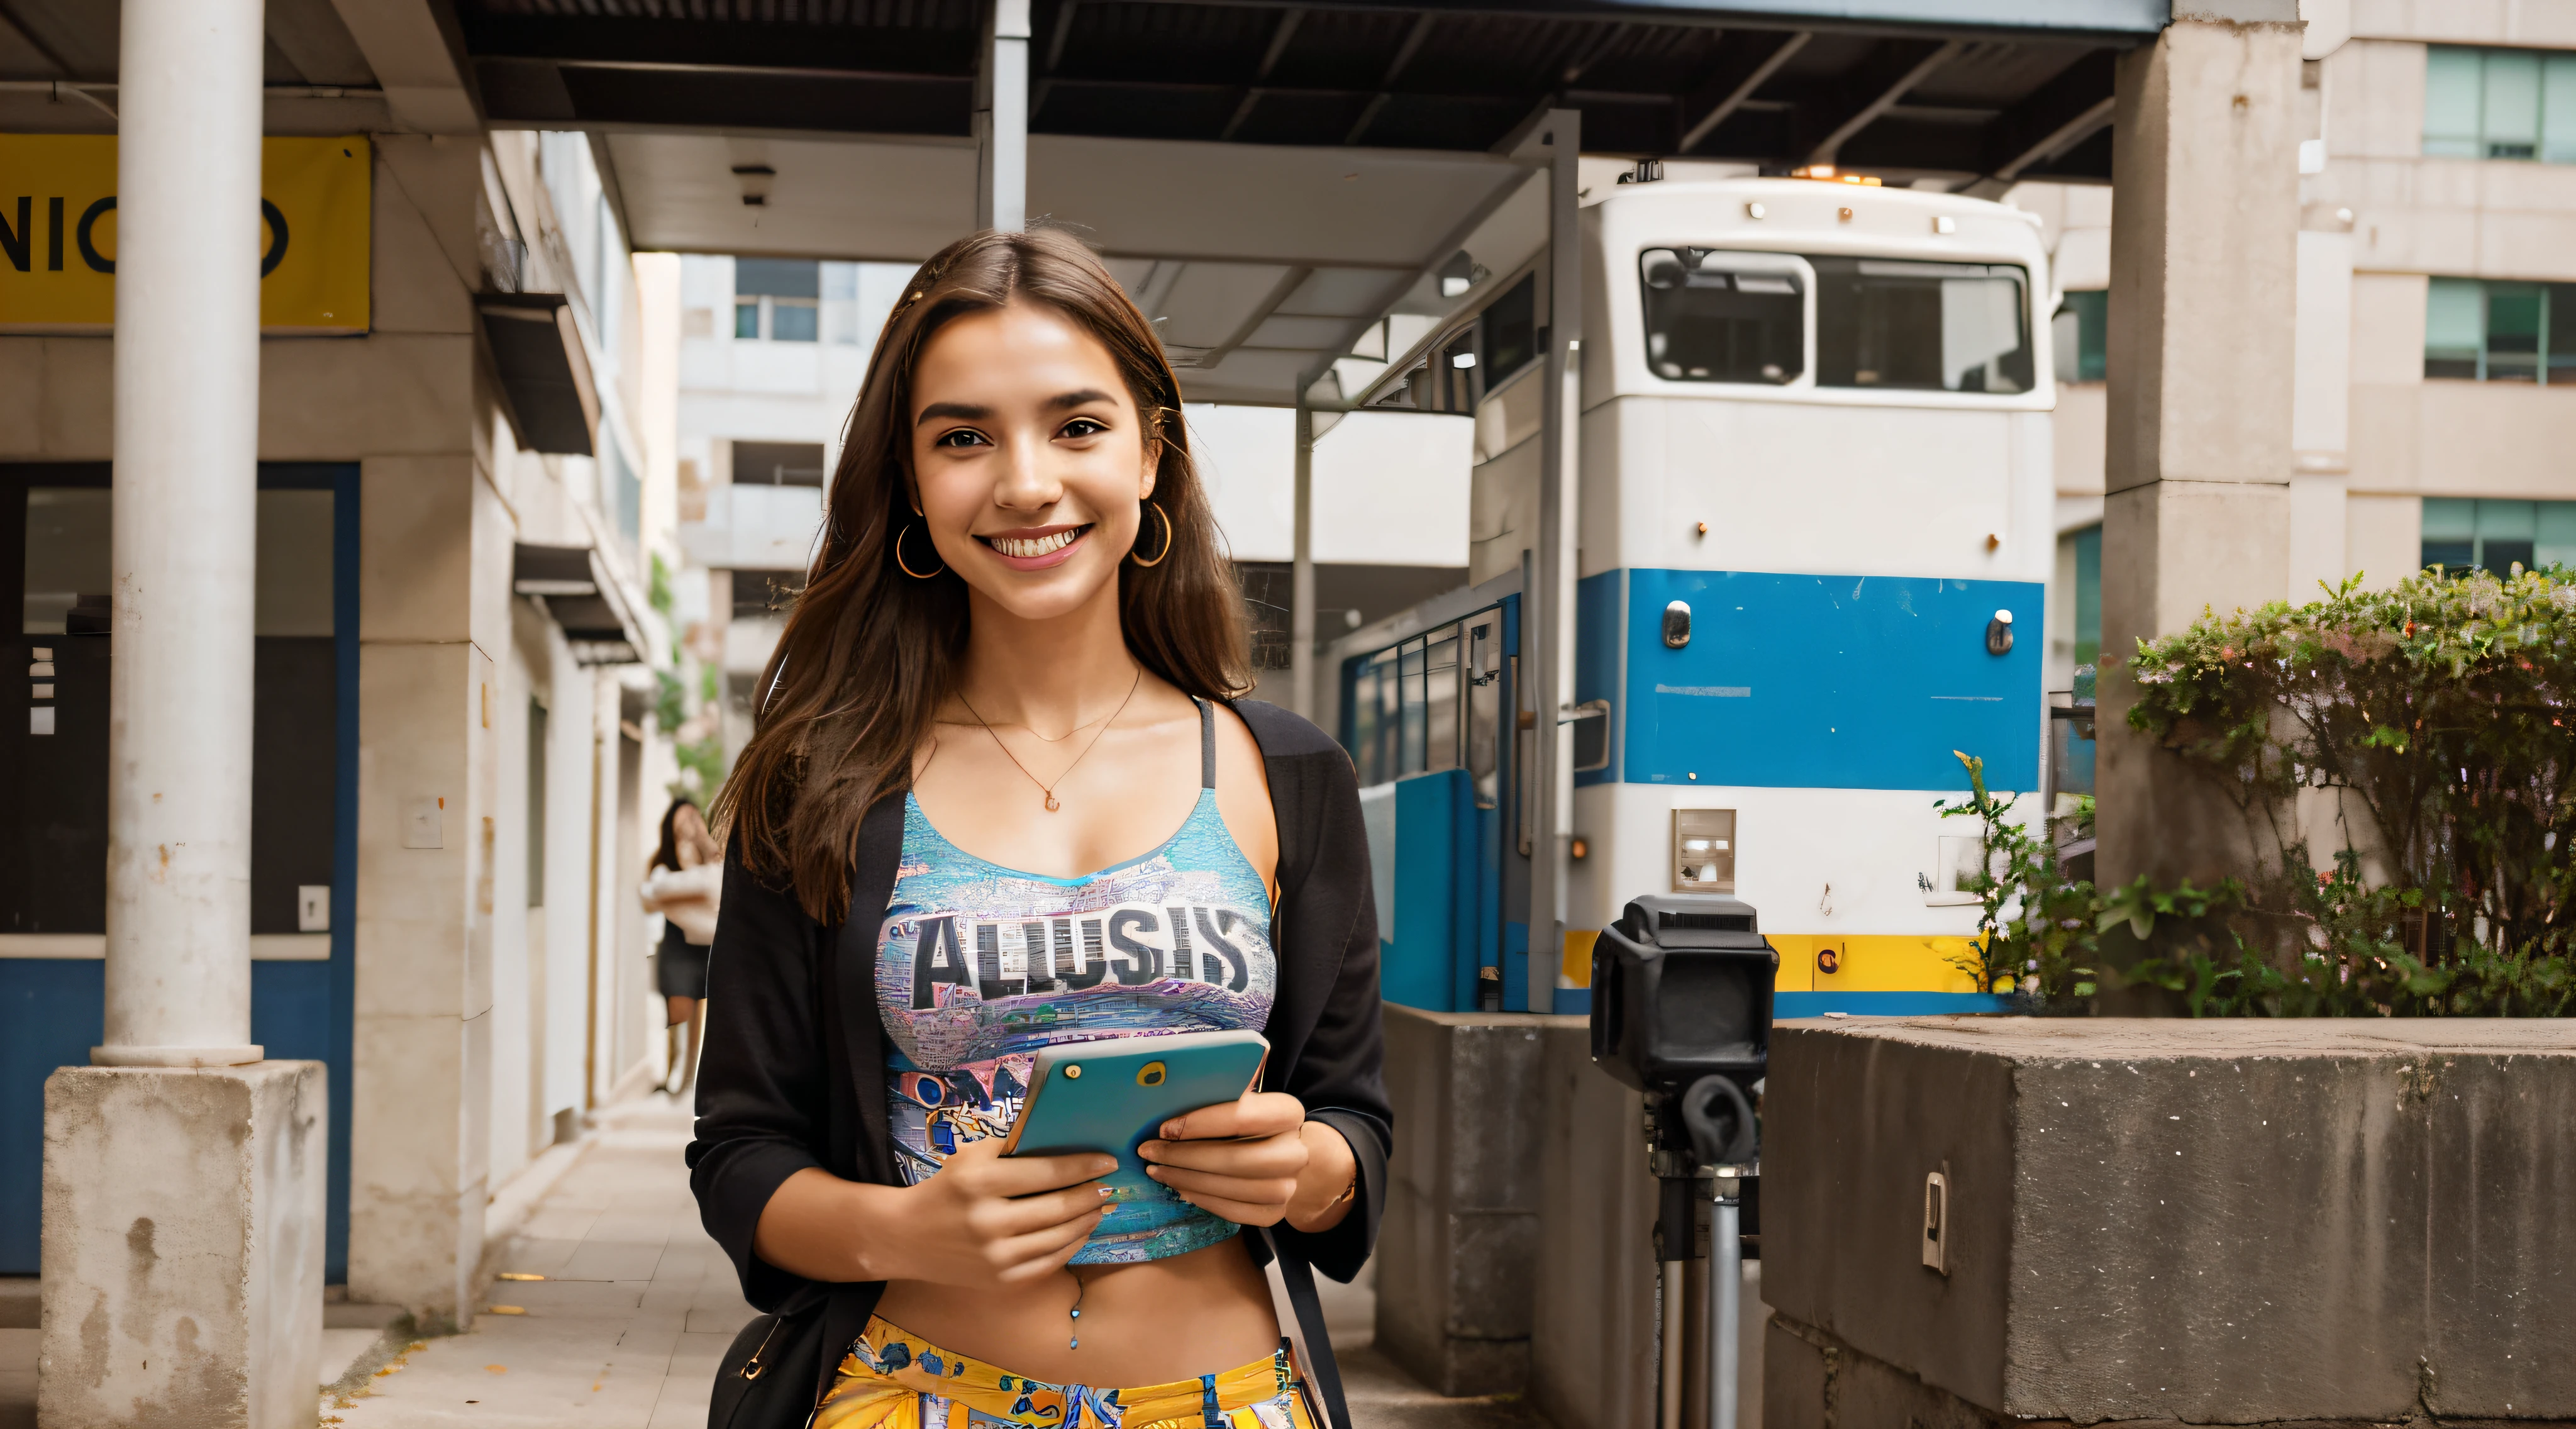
(1150, 1322)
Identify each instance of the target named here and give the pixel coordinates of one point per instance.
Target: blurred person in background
(683, 883)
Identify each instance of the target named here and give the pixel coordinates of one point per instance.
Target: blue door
(54, 522)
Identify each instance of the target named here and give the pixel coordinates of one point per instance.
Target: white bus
(1816, 528)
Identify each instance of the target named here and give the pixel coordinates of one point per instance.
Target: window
(2500, 332)
(1724, 317)
(2499, 104)
(778, 464)
(776, 298)
(1925, 327)
(1509, 333)
(2462, 535)
(2081, 334)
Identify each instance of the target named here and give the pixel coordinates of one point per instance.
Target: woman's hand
(982, 1221)
(1256, 1161)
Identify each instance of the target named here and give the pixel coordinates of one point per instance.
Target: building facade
(458, 761)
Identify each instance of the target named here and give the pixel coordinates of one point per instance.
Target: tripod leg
(1726, 1317)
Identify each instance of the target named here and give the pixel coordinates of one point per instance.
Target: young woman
(682, 883)
(1006, 700)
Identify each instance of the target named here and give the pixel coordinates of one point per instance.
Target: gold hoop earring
(898, 556)
(1157, 508)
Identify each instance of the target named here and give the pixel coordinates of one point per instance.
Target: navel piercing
(1081, 1288)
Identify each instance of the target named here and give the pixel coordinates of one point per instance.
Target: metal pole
(1001, 120)
(1301, 576)
(1675, 1349)
(184, 532)
(1726, 1292)
(1550, 606)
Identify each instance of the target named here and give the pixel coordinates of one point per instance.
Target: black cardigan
(781, 1089)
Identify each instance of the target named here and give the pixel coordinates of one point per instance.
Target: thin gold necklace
(1043, 786)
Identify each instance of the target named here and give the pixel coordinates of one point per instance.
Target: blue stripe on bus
(1829, 682)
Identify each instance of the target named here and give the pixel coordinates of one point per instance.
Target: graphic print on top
(979, 966)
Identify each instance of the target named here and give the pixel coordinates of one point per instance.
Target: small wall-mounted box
(1703, 850)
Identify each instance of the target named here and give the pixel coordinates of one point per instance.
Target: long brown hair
(870, 654)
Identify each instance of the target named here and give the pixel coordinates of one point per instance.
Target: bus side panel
(1837, 682)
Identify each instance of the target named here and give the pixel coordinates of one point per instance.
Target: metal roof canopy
(1270, 178)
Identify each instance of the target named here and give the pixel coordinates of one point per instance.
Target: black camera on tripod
(1681, 1010)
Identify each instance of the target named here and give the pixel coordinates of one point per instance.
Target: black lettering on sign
(16, 241)
(988, 961)
(1093, 964)
(937, 958)
(1216, 926)
(276, 253)
(53, 235)
(85, 236)
(1144, 961)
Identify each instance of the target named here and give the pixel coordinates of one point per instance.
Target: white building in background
(770, 356)
(2436, 380)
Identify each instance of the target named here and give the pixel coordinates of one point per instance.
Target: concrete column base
(182, 1250)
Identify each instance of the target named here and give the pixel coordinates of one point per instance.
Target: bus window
(1484, 705)
(1723, 317)
(1925, 327)
(1440, 702)
(1414, 726)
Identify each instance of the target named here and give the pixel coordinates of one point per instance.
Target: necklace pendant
(1052, 805)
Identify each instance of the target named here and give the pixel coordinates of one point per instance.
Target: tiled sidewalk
(625, 1330)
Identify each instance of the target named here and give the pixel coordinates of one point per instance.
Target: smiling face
(1029, 458)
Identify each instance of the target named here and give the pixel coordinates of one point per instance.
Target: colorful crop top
(979, 966)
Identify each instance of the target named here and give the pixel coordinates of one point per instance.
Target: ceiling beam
(2057, 116)
(1746, 60)
(1404, 54)
(1886, 77)
(418, 56)
(1280, 35)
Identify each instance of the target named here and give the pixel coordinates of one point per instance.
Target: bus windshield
(1721, 316)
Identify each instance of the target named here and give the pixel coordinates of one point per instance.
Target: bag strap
(1299, 1277)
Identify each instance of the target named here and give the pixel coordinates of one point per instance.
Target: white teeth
(1042, 545)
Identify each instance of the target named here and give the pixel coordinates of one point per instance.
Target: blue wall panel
(1831, 682)
(51, 1011)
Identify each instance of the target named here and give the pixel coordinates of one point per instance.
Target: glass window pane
(1364, 724)
(1708, 322)
(2555, 534)
(1440, 701)
(778, 277)
(2449, 518)
(66, 588)
(746, 320)
(792, 322)
(2558, 109)
(2451, 102)
(1485, 704)
(2508, 520)
(1415, 722)
(2455, 327)
(2513, 332)
(1928, 327)
(293, 582)
(2559, 331)
(2509, 116)
(1390, 715)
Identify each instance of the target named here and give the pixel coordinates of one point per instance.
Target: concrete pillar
(182, 1246)
(183, 1176)
(1002, 118)
(2204, 259)
(187, 510)
(1548, 609)
(1301, 576)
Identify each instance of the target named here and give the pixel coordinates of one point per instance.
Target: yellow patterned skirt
(894, 1380)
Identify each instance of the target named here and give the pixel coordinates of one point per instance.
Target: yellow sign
(58, 233)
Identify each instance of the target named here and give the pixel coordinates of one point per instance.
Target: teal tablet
(1114, 1095)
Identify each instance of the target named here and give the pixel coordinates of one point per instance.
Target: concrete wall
(1462, 1224)
(1593, 1324)
(2150, 1221)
